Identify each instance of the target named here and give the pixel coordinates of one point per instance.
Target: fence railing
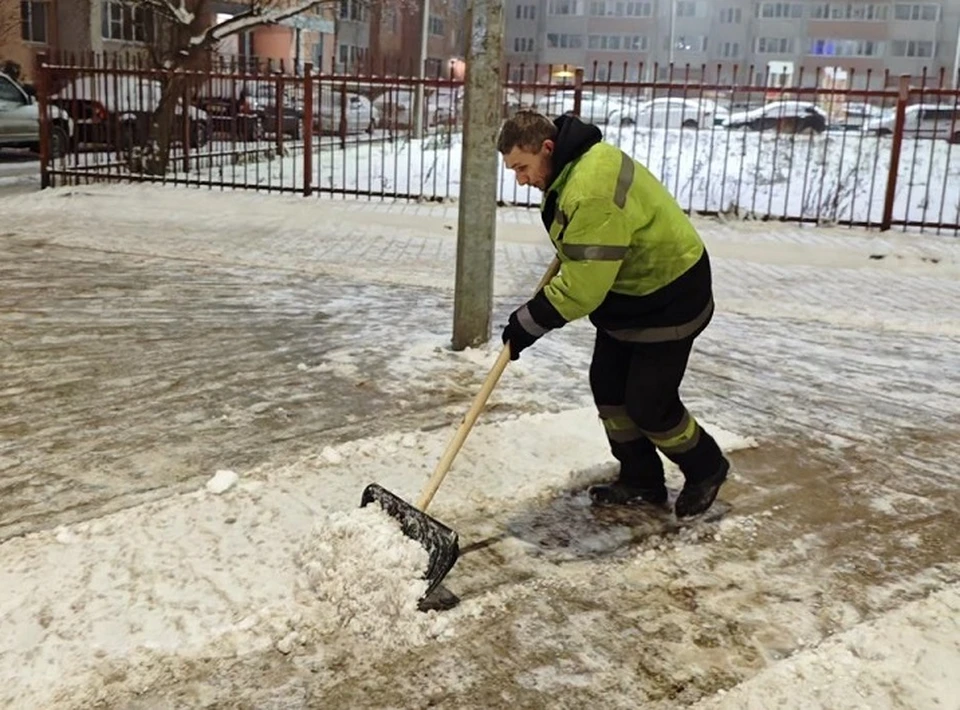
(841, 148)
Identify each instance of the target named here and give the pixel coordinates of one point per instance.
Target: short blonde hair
(527, 130)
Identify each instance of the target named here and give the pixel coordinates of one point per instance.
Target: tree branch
(261, 12)
(9, 23)
(163, 9)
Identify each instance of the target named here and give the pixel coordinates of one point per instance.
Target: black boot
(620, 493)
(641, 476)
(697, 496)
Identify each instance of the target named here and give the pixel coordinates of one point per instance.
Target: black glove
(517, 336)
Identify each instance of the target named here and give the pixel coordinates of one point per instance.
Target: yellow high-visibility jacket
(630, 258)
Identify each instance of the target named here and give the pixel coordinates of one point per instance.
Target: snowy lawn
(246, 364)
(831, 177)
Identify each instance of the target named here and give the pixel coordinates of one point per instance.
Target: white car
(920, 121)
(361, 115)
(20, 121)
(594, 108)
(784, 116)
(678, 112)
(441, 105)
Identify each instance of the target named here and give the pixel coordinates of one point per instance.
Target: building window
(350, 55)
(731, 16)
(523, 44)
(689, 8)
(687, 43)
(436, 25)
(774, 45)
(849, 11)
(618, 43)
(564, 41)
(33, 21)
(913, 48)
(526, 12)
(388, 20)
(619, 8)
(779, 10)
(845, 48)
(566, 7)
(125, 22)
(729, 50)
(923, 13)
(352, 10)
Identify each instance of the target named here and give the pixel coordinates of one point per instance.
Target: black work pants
(636, 387)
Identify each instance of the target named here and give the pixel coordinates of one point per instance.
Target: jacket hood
(574, 138)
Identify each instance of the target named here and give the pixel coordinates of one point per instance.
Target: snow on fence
(832, 147)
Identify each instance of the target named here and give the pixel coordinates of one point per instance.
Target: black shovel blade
(441, 542)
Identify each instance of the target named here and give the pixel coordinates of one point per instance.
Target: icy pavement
(152, 337)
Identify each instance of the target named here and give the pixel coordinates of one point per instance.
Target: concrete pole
(479, 173)
(956, 62)
(418, 92)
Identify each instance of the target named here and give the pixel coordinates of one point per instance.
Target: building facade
(82, 27)
(383, 36)
(782, 41)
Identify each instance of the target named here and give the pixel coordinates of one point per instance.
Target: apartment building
(374, 36)
(29, 27)
(788, 39)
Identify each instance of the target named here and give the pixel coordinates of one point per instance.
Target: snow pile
(222, 481)
(907, 658)
(283, 559)
(359, 573)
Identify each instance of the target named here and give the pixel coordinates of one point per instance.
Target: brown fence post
(185, 125)
(278, 113)
(43, 90)
(578, 90)
(307, 129)
(895, 149)
(342, 128)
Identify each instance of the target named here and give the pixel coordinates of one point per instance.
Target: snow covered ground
(197, 386)
(837, 176)
(832, 177)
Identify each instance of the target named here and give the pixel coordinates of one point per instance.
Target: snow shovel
(440, 541)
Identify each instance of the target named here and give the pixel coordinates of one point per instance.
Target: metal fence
(726, 140)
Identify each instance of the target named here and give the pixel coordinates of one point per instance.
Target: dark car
(118, 112)
(233, 112)
(268, 94)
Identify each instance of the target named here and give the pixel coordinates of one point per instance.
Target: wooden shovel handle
(453, 448)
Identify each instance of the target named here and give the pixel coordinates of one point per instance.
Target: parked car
(446, 105)
(785, 116)
(119, 111)
(855, 115)
(920, 121)
(394, 106)
(20, 121)
(233, 110)
(328, 115)
(677, 112)
(263, 93)
(594, 107)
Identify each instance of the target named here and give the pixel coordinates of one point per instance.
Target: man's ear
(548, 146)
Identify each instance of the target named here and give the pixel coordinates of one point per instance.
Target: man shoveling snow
(633, 262)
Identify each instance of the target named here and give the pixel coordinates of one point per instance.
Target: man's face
(531, 168)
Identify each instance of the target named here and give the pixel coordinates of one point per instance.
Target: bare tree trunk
(163, 124)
